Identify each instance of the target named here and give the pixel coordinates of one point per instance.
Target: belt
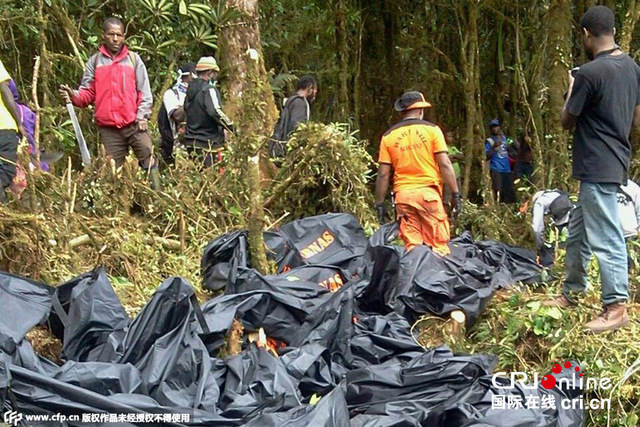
(198, 143)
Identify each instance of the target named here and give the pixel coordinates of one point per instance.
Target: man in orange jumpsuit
(417, 152)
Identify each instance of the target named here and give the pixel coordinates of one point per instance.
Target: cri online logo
(549, 381)
(575, 380)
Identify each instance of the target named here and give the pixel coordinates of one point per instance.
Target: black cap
(187, 68)
(410, 101)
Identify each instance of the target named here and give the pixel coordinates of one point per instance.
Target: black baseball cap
(187, 68)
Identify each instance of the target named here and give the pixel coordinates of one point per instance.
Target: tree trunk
(631, 17)
(531, 102)
(250, 104)
(556, 148)
(342, 55)
(473, 110)
(256, 218)
(238, 37)
(44, 54)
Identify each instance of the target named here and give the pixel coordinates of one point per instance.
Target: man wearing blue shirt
(495, 148)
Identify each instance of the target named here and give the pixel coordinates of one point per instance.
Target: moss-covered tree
(249, 101)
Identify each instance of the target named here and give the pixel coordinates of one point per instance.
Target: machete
(84, 151)
(48, 157)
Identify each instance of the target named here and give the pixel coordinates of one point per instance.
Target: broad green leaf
(554, 312)
(182, 8)
(538, 330)
(534, 305)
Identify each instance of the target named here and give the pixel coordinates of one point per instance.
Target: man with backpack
(557, 205)
(116, 81)
(296, 110)
(172, 117)
(206, 122)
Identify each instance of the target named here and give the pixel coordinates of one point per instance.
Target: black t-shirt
(605, 93)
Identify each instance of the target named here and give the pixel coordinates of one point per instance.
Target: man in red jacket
(116, 81)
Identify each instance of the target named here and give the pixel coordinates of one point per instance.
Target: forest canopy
(474, 60)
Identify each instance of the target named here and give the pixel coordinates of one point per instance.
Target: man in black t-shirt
(603, 104)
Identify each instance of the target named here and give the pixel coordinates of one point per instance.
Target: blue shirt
(500, 158)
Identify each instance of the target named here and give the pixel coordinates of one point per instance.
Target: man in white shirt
(171, 116)
(557, 204)
(629, 208)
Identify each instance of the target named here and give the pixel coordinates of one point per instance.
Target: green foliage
(504, 223)
(529, 337)
(327, 169)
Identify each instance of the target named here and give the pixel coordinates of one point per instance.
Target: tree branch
(34, 94)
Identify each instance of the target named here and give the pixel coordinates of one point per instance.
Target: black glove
(382, 212)
(456, 204)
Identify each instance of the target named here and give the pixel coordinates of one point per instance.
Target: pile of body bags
(337, 318)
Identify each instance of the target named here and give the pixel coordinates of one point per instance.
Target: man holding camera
(603, 102)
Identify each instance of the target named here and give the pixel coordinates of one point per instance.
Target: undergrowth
(68, 222)
(530, 338)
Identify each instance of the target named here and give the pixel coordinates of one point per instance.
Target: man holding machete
(116, 80)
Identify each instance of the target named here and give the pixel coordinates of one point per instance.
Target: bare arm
(178, 115)
(86, 93)
(492, 150)
(448, 174)
(382, 182)
(567, 119)
(635, 128)
(636, 119)
(9, 102)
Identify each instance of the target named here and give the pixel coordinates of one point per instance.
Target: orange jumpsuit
(410, 147)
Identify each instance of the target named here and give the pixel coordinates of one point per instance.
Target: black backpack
(164, 124)
(166, 134)
(560, 206)
(278, 142)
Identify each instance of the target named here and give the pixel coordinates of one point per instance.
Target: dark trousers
(8, 156)
(502, 186)
(117, 142)
(209, 153)
(524, 170)
(166, 149)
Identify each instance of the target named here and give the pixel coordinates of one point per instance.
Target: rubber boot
(154, 177)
